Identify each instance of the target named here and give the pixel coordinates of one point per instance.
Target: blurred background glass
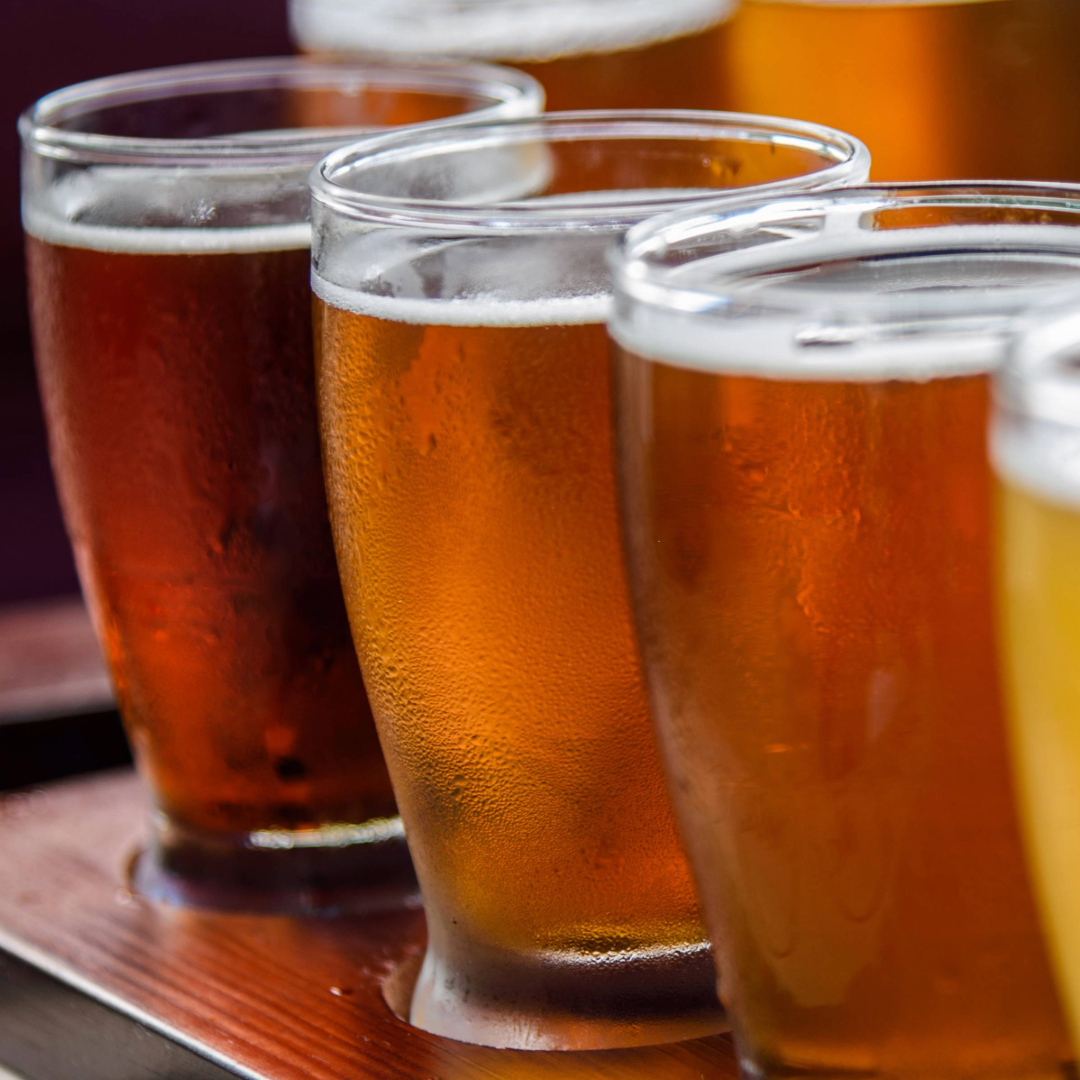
(589, 54)
(938, 89)
(960, 89)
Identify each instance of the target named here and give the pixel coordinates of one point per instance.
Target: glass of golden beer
(463, 386)
(1036, 451)
(588, 54)
(938, 89)
(166, 215)
(801, 406)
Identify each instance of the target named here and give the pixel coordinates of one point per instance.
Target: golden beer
(1039, 594)
(937, 90)
(807, 500)
(587, 54)
(464, 404)
(470, 469)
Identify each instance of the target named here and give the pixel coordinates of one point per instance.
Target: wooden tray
(98, 984)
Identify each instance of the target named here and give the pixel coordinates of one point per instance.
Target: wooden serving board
(99, 984)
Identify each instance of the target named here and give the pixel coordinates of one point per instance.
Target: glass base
(337, 869)
(562, 1002)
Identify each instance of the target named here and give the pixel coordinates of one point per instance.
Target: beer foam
(851, 303)
(783, 348)
(156, 241)
(469, 311)
(495, 30)
(1041, 459)
(168, 212)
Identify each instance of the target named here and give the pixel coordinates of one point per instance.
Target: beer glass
(941, 89)
(801, 400)
(589, 54)
(1036, 452)
(463, 381)
(167, 242)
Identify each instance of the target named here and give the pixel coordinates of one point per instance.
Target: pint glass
(801, 398)
(463, 385)
(1036, 450)
(589, 54)
(938, 89)
(167, 240)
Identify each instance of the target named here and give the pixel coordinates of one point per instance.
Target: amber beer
(175, 364)
(464, 403)
(471, 471)
(587, 54)
(937, 90)
(178, 390)
(808, 519)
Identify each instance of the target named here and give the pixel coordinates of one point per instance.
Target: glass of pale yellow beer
(1036, 450)
(463, 380)
(166, 215)
(589, 54)
(938, 89)
(801, 399)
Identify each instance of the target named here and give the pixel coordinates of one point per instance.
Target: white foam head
(497, 30)
(469, 311)
(787, 348)
(503, 278)
(138, 211)
(849, 302)
(1035, 436)
(166, 241)
(1042, 460)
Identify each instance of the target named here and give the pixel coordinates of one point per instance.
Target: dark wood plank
(50, 664)
(98, 1042)
(266, 997)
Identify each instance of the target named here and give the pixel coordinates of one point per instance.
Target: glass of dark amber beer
(801, 400)
(463, 383)
(166, 215)
(588, 54)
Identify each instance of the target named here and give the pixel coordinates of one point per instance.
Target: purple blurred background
(44, 45)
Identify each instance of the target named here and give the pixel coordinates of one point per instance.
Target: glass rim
(512, 93)
(848, 156)
(640, 276)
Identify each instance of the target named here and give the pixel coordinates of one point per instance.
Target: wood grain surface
(264, 997)
(50, 663)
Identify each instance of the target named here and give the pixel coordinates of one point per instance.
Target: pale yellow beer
(1039, 594)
